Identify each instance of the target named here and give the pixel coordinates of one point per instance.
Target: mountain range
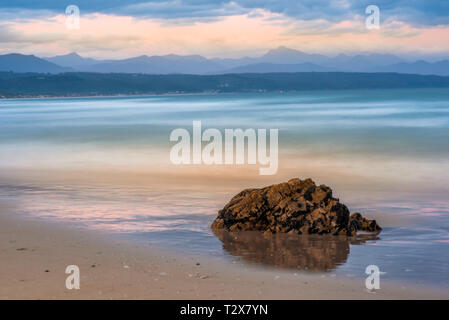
(281, 59)
(16, 62)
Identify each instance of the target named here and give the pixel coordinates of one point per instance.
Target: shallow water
(104, 163)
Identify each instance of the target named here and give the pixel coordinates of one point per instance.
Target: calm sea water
(104, 163)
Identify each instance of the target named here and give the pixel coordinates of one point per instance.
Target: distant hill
(168, 64)
(72, 60)
(284, 55)
(272, 67)
(16, 62)
(92, 84)
(419, 67)
(281, 59)
(361, 63)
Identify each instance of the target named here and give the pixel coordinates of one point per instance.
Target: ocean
(104, 163)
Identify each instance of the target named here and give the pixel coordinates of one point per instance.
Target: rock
(296, 206)
(361, 223)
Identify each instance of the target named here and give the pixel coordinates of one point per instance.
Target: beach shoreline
(201, 93)
(35, 254)
(143, 95)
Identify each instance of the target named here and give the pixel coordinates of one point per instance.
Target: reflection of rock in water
(306, 252)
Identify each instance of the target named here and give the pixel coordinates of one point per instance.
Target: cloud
(125, 28)
(178, 9)
(114, 36)
(119, 36)
(417, 12)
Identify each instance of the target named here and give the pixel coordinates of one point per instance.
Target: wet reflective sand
(104, 163)
(303, 252)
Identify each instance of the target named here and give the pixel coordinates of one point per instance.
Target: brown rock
(297, 206)
(363, 224)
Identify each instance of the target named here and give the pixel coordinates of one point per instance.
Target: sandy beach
(189, 153)
(34, 255)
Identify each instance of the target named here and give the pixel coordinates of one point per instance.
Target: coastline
(86, 84)
(168, 94)
(35, 253)
(202, 93)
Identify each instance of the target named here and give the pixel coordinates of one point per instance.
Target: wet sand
(35, 253)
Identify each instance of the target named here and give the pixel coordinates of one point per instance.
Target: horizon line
(412, 56)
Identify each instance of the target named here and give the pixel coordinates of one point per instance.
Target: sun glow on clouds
(110, 36)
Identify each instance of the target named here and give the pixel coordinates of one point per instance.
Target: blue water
(103, 163)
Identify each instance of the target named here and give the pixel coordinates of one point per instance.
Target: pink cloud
(122, 36)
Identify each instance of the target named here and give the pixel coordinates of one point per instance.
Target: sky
(212, 28)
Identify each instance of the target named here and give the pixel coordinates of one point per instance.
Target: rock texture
(361, 223)
(296, 206)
